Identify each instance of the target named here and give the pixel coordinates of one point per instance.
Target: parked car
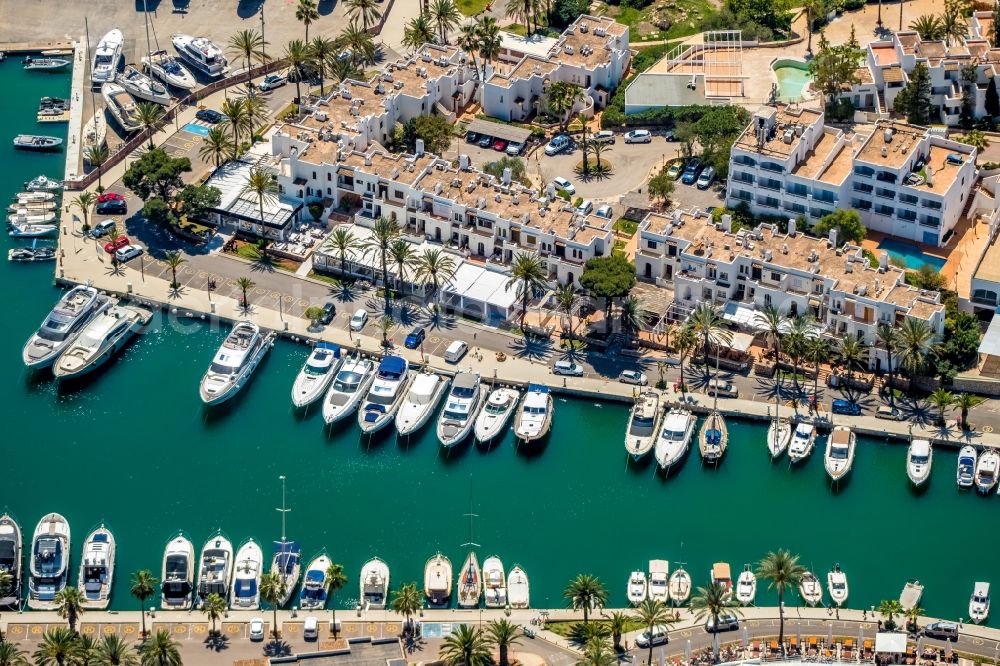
(514, 148)
(946, 630)
(471, 137)
(691, 172)
(102, 228)
(633, 377)
(638, 136)
(310, 628)
(559, 143)
(723, 387)
(570, 368)
(604, 211)
(657, 637)
(127, 253)
(669, 135)
(585, 207)
(272, 81)
(455, 351)
(604, 136)
(209, 116)
(847, 407)
(359, 319)
(706, 178)
(564, 185)
(116, 244)
(727, 622)
(415, 337)
(889, 413)
(112, 207)
(499, 145)
(485, 141)
(257, 629)
(110, 196)
(674, 170)
(329, 312)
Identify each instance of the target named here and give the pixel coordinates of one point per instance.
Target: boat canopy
(538, 388)
(330, 346)
(287, 555)
(466, 380)
(720, 571)
(315, 576)
(246, 588)
(920, 448)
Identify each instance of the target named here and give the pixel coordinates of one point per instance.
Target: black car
(845, 407)
(329, 312)
(415, 337)
(471, 137)
(209, 116)
(112, 207)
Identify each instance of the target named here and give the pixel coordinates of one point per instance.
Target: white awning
(890, 642)
(740, 315)
(741, 342)
(481, 292)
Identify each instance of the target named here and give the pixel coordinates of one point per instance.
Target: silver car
(633, 377)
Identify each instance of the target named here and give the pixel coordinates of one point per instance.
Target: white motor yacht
(836, 584)
(909, 598)
(11, 558)
(636, 590)
(986, 470)
(143, 87)
(966, 474)
(534, 418)
(42, 184)
(95, 133)
(385, 395)
(315, 584)
(421, 400)
(234, 363)
(713, 438)
(641, 432)
(35, 197)
(675, 435)
(803, 441)
(101, 339)
(680, 586)
(216, 569)
(518, 588)
(461, 407)
(470, 582)
(107, 55)
(122, 106)
(317, 373)
(659, 580)
(494, 583)
(437, 580)
(496, 413)
(247, 570)
(177, 588)
(49, 568)
(348, 388)
(979, 602)
(170, 70)
(746, 586)
(203, 55)
(374, 583)
(97, 569)
(919, 458)
(779, 434)
(810, 589)
(721, 574)
(62, 325)
(839, 457)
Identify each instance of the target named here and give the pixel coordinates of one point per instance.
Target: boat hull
(211, 399)
(97, 598)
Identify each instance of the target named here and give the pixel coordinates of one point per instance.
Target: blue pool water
(194, 128)
(793, 79)
(910, 255)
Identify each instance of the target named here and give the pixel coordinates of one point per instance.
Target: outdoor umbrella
(920, 644)
(687, 650)
(746, 637)
(947, 650)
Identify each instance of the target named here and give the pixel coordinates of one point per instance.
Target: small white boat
(42, 184)
(247, 571)
(348, 388)
(35, 197)
(986, 470)
(101, 339)
(979, 602)
(216, 569)
(713, 438)
(722, 575)
(909, 598)
(810, 589)
(641, 432)
(95, 133)
(966, 475)
(746, 586)
(62, 325)
(803, 441)
(421, 400)
(316, 374)
(32, 207)
(34, 63)
(674, 437)
(97, 569)
(659, 580)
(518, 589)
(37, 142)
(177, 588)
(49, 566)
(31, 217)
(636, 587)
(31, 254)
(374, 584)
(461, 407)
(839, 457)
(11, 559)
(680, 586)
(494, 583)
(385, 395)
(437, 580)
(534, 418)
(496, 413)
(315, 584)
(203, 55)
(31, 230)
(122, 106)
(143, 87)
(233, 365)
(779, 434)
(169, 69)
(836, 584)
(106, 57)
(919, 459)
(470, 582)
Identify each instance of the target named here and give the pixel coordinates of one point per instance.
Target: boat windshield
(492, 408)
(463, 391)
(54, 329)
(839, 453)
(528, 409)
(918, 460)
(222, 369)
(316, 370)
(673, 435)
(456, 416)
(102, 59)
(177, 567)
(347, 382)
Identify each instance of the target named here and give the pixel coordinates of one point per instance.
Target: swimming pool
(194, 128)
(911, 255)
(793, 79)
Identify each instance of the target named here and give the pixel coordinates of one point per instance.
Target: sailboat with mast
(164, 66)
(470, 576)
(714, 436)
(140, 85)
(287, 558)
(779, 433)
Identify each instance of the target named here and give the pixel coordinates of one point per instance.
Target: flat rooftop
(784, 116)
(594, 33)
(536, 45)
(989, 267)
(884, 54)
(898, 150)
(816, 158)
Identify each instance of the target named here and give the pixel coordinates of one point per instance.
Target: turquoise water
(793, 80)
(911, 255)
(132, 446)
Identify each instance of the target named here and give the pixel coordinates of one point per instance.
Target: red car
(500, 145)
(118, 243)
(110, 196)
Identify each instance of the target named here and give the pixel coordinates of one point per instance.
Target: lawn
(627, 227)
(518, 29)
(565, 628)
(663, 19)
(471, 7)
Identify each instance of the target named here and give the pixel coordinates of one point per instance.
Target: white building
(242, 210)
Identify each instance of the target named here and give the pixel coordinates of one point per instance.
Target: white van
(658, 637)
(310, 628)
(455, 351)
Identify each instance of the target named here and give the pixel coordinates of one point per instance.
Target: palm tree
(916, 340)
(249, 45)
(59, 647)
(149, 115)
(953, 25)
(504, 635)
(342, 69)
(633, 314)
(97, 155)
(527, 276)
(403, 256)
(69, 605)
(707, 323)
(342, 241)
(113, 651)
(260, 184)
(597, 149)
(889, 609)
(652, 613)
(782, 571)
(12, 655)
(297, 55)
(585, 591)
(713, 601)
(245, 284)
(384, 232)
(912, 613)
(88, 653)
(812, 8)
(418, 31)
(143, 581)
(817, 351)
(336, 579)
(468, 41)
(320, 50)
(489, 40)
(929, 27)
(445, 15)
(685, 342)
(618, 623)
(84, 201)
(942, 399)
(236, 113)
(596, 653)
(562, 97)
(256, 115)
(272, 590)
(306, 12)
(160, 650)
(216, 147)
(367, 10)
(406, 602)
(567, 298)
(214, 607)
(521, 10)
(584, 143)
(385, 324)
(887, 337)
(360, 43)
(466, 646)
(797, 341)
(772, 323)
(965, 402)
(434, 266)
(852, 351)
(173, 260)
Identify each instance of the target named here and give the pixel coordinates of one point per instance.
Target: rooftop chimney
(727, 222)
(883, 260)
(506, 176)
(791, 226)
(463, 162)
(419, 147)
(833, 237)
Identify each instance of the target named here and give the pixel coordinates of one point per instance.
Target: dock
(74, 159)
(61, 118)
(16, 48)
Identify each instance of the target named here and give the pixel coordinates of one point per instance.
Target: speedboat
(37, 142)
(496, 413)
(636, 590)
(470, 582)
(810, 589)
(234, 363)
(106, 57)
(169, 69)
(967, 466)
(494, 583)
(287, 563)
(95, 133)
(100, 339)
(779, 434)
(986, 471)
(49, 569)
(675, 437)
(143, 87)
(803, 440)
(534, 418)
(61, 327)
(348, 388)
(658, 580)
(177, 588)
(746, 586)
(34, 197)
(32, 207)
(11, 554)
(437, 580)
(909, 598)
(35, 64)
(839, 455)
(316, 374)
(713, 438)
(640, 434)
(680, 586)
(41, 184)
(25, 215)
(28, 230)
(722, 575)
(460, 409)
(425, 392)
(919, 458)
(97, 568)
(836, 585)
(518, 589)
(315, 584)
(30, 254)
(374, 584)
(216, 569)
(245, 594)
(122, 106)
(203, 55)
(979, 602)
(385, 395)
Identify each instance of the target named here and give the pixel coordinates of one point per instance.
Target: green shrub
(315, 209)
